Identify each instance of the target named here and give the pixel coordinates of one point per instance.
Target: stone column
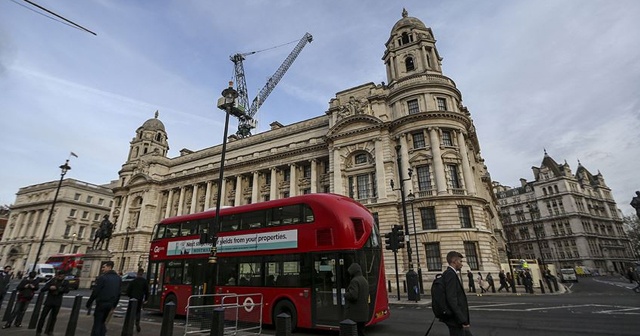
(167, 211)
(223, 192)
(438, 165)
(314, 176)
(238, 200)
(207, 195)
(337, 172)
(380, 176)
(180, 201)
(194, 199)
(466, 168)
(273, 189)
(125, 212)
(404, 156)
(293, 180)
(255, 188)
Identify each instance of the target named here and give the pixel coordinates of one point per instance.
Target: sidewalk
(85, 322)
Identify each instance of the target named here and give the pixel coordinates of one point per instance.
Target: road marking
(499, 304)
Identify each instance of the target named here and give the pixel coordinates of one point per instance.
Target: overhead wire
(64, 20)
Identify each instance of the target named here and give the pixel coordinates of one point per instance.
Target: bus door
(155, 276)
(329, 285)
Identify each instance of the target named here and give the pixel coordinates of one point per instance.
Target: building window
(285, 194)
(360, 158)
(72, 212)
(89, 199)
(408, 63)
(454, 181)
(81, 232)
(93, 233)
(471, 254)
(67, 231)
(434, 259)
(286, 175)
(446, 138)
(442, 104)
(76, 197)
(464, 212)
(428, 216)
(85, 214)
(306, 191)
(100, 201)
(267, 179)
(306, 171)
(424, 178)
(364, 186)
(418, 140)
(62, 248)
(413, 106)
(96, 217)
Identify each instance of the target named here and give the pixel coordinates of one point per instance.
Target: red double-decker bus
(294, 251)
(69, 263)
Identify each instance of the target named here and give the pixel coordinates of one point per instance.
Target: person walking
(490, 283)
(481, 283)
(472, 282)
(357, 296)
(26, 289)
(458, 319)
(138, 289)
(503, 281)
(5, 279)
(106, 294)
(55, 289)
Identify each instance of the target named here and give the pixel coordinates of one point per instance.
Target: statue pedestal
(91, 265)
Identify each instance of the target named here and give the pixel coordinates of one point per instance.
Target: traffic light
(390, 242)
(399, 236)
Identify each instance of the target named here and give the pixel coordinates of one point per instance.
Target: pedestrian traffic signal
(390, 242)
(399, 236)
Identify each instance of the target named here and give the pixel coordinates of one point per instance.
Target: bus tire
(170, 298)
(285, 306)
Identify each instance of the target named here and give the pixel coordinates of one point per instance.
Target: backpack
(439, 298)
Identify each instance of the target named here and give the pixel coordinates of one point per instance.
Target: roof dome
(153, 124)
(407, 21)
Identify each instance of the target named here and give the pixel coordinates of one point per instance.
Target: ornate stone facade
(350, 150)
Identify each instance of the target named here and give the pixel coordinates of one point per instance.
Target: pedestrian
(481, 283)
(528, 282)
(472, 285)
(138, 289)
(458, 320)
(490, 283)
(503, 281)
(26, 289)
(510, 281)
(106, 294)
(55, 289)
(636, 277)
(630, 274)
(357, 296)
(5, 279)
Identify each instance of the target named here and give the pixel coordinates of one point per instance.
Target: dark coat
(5, 278)
(138, 289)
(54, 296)
(357, 296)
(25, 289)
(456, 299)
(106, 290)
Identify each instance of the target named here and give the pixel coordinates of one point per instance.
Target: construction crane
(247, 122)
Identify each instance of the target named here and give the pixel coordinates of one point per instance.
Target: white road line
(499, 304)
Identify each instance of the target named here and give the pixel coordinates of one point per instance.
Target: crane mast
(246, 124)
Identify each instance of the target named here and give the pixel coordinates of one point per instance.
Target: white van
(44, 272)
(568, 274)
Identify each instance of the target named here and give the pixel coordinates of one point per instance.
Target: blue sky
(556, 75)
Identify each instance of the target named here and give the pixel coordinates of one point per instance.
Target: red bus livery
(295, 252)
(69, 263)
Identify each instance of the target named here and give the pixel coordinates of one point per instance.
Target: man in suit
(458, 321)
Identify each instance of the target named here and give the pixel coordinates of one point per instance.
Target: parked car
(126, 281)
(73, 280)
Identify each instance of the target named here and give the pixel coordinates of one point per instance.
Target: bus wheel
(170, 298)
(285, 306)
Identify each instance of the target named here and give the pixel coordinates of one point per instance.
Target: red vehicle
(69, 263)
(294, 251)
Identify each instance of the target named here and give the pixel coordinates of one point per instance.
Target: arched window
(406, 38)
(408, 63)
(360, 158)
(159, 137)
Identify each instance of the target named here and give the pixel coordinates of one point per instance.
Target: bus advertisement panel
(295, 252)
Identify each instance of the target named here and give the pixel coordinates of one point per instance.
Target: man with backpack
(449, 301)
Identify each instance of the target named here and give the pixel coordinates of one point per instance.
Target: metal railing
(242, 313)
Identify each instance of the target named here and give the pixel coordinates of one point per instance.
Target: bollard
(167, 319)
(9, 309)
(541, 286)
(36, 311)
(555, 284)
(130, 318)
(548, 284)
(217, 323)
(389, 286)
(73, 318)
(404, 287)
(348, 328)
(283, 325)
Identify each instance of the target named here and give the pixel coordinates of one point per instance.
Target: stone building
(564, 219)
(78, 212)
(416, 119)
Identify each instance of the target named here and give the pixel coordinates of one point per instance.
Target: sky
(561, 76)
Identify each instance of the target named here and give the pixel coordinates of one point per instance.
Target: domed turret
(407, 22)
(151, 138)
(153, 124)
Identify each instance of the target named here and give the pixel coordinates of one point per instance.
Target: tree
(632, 226)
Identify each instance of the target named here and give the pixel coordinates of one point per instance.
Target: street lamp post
(413, 291)
(411, 197)
(73, 238)
(125, 245)
(227, 103)
(63, 171)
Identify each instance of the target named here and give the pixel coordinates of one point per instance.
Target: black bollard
(389, 286)
(36, 311)
(72, 325)
(555, 284)
(348, 328)
(167, 319)
(541, 286)
(217, 323)
(283, 325)
(513, 285)
(9, 309)
(130, 318)
(548, 284)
